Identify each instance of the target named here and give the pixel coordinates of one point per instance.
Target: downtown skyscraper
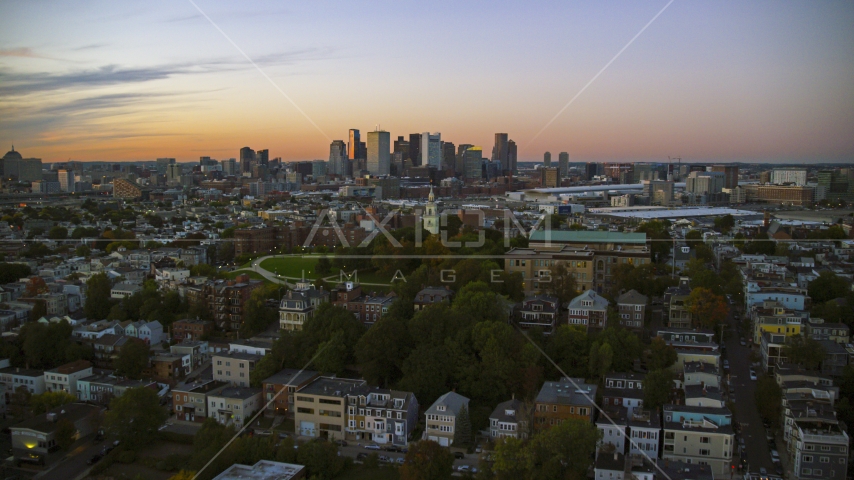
(431, 149)
(563, 164)
(338, 162)
(501, 151)
(415, 149)
(379, 152)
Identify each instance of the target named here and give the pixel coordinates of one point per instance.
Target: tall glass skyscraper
(431, 149)
(379, 152)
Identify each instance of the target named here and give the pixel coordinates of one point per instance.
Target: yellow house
(772, 317)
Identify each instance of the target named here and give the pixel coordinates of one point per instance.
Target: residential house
(677, 470)
(168, 367)
(298, 305)
(645, 433)
(678, 313)
(609, 466)
(701, 435)
(818, 329)
(289, 380)
(771, 350)
(432, 295)
(15, 377)
(613, 423)
(540, 311)
(771, 316)
(101, 389)
(631, 307)
(623, 389)
(122, 290)
(566, 399)
(381, 415)
(64, 378)
(510, 419)
(589, 310)
(151, 332)
(441, 418)
(107, 348)
(190, 400)
(263, 470)
(225, 299)
(234, 367)
(701, 373)
(820, 448)
(197, 351)
(703, 396)
(234, 405)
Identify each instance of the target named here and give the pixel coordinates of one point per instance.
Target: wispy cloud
(21, 52)
(91, 46)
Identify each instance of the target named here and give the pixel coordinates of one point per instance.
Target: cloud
(91, 46)
(21, 52)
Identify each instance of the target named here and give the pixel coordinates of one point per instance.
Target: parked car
(743, 342)
(762, 471)
(459, 455)
(383, 458)
(463, 468)
(341, 443)
(752, 375)
(400, 460)
(372, 447)
(361, 456)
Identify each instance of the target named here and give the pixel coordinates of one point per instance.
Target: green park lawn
(291, 267)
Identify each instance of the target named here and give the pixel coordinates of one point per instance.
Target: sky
(758, 81)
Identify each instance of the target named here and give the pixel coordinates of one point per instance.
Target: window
(704, 440)
(824, 459)
(807, 458)
(704, 452)
(825, 448)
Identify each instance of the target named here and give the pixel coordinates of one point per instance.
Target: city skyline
(717, 83)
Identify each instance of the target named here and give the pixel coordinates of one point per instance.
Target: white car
(463, 468)
(752, 375)
(372, 447)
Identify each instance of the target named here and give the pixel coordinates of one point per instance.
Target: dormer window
(510, 413)
(440, 408)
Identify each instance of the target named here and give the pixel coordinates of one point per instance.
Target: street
(746, 414)
(74, 466)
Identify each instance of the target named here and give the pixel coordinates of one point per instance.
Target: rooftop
(71, 412)
(587, 236)
(263, 470)
(564, 392)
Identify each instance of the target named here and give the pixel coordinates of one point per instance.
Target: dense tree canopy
(135, 417)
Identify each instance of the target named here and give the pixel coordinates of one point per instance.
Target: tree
(258, 316)
(65, 434)
(132, 359)
(135, 417)
(656, 231)
(768, 396)
(656, 389)
(804, 351)
(332, 355)
(761, 245)
(661, 355)
(462, 432)
(563, 451)
(707, 309)
(694, 238)
(427, 460)
(83, 251)
(97, 305)
(511, 461)
(12, 272)
(828, 286)
(562, 283)
(600, 359)
(724, 223)
(57, 233)
(35, 286)
(383, 348)
(47, 401)
(320, 459)
(323, 266)
(203, 270)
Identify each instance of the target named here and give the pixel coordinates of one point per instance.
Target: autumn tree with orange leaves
(707, 309)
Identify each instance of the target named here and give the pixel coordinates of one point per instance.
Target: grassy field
(291, 266)
(252, 275)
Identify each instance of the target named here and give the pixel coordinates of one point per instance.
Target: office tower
(547, 159)
(354, 145)
(696, 168)
(318, 168)
(500, 150)
(162, 165)
(704, 183)
(338, 161)
(174, 171)
(303, 168)
(730, 174)
(473, 163)
(262, 157)
(795, 176)
(549, 177)
(590, 171)
(66, 180)
(415, 148)
(449, 156)
(431, 149)
(247, 158)
(563, 164)
(511, 157)
(401, 146)
(379, 152)
(229, 167)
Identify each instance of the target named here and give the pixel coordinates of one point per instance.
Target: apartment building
(701, 435)
(589, 310)
(510, 419)
(818, 329)
(64, 378)
(820, 449)
(368, 309)
(678, 313)
(234, 367)
(234, 405)
(101, 389)
(441, 418)
(320, 408)
(540, 311)
(631, 307)
(535, 266)
(614, 426)
(383, 416)
(701, 373)
(35, 440)
(225, 299)
(289, 380)
(563, 400)
(297, 306)
(190, 401)
(189, 329)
